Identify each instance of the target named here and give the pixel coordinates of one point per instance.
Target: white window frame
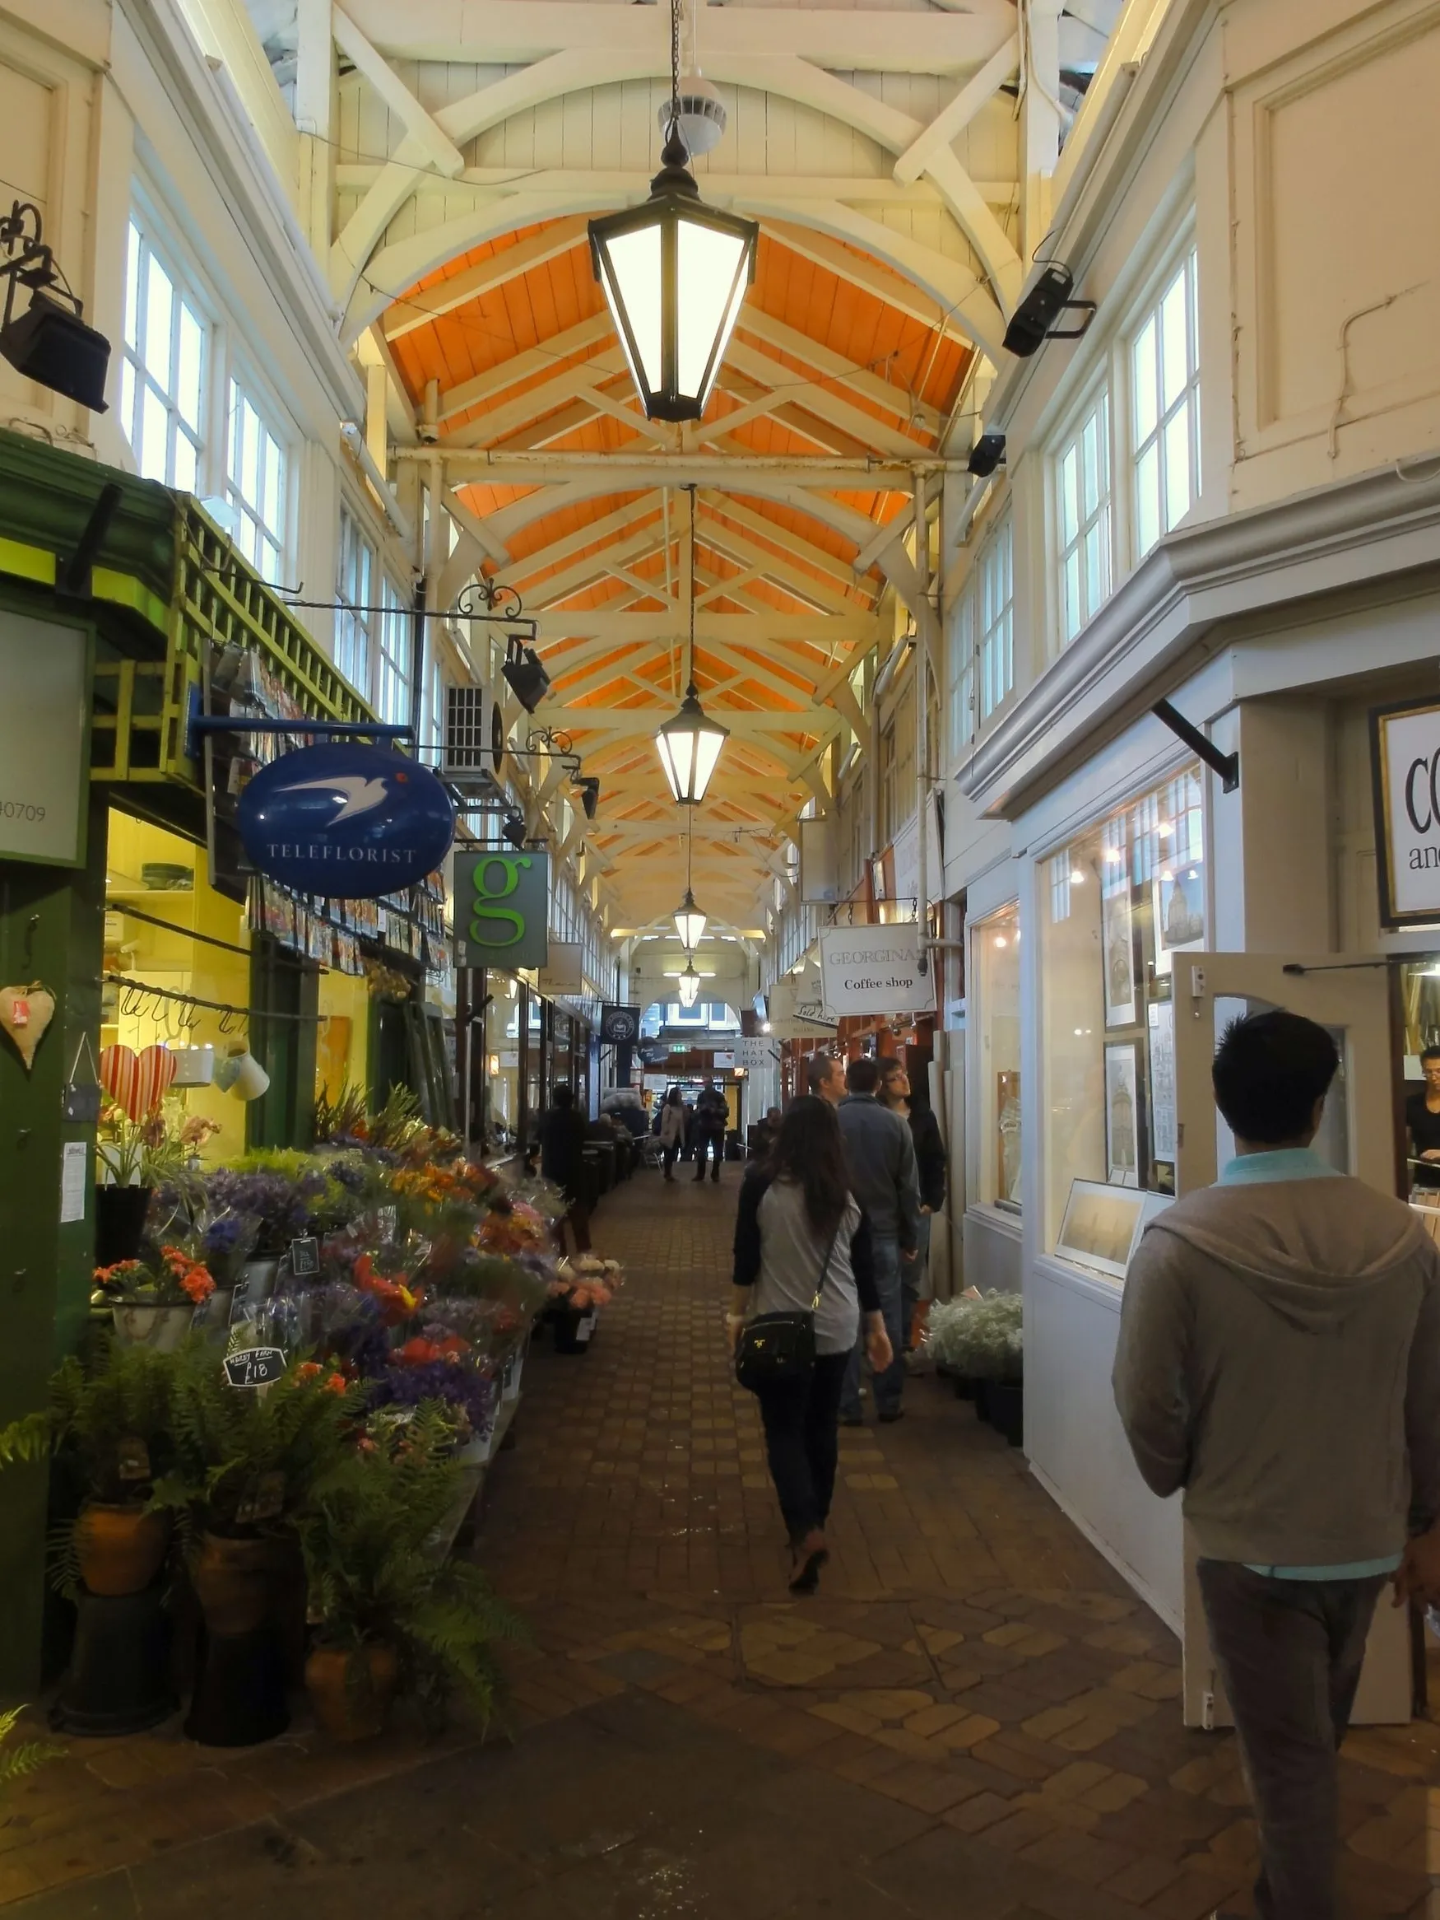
(148, 245)
(1152, 431)
(994, 620)
(1091, 542)
(962, 672)
(394, 672)
(355, 643)
(261, 503)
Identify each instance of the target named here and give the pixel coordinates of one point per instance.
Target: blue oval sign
(346, 820)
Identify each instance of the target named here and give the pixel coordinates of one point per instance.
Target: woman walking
(672, 1130)
(799, 1230)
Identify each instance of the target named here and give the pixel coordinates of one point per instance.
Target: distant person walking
(881, 1157)
(1279, 1361)
(799, 1227)
(671, 1129)
(767, 1132)
(930, 1168)
(563, 1134)
(712, 1116)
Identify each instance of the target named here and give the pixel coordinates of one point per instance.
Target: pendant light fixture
(689, 920)
(689, 986)
(689, 745)
(675, 273)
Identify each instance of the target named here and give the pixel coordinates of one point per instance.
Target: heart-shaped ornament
(157, 1069)
(119, 1076)
(25, 1013)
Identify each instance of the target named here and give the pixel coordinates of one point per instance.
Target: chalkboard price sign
(254, 1366)
(305, 1256)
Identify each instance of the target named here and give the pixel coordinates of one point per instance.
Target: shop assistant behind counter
(1422, 1118)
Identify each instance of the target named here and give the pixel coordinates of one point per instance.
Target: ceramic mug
(241, 1073)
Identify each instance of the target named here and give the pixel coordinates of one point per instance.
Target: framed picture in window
(1122, 1116)
(1117, 936)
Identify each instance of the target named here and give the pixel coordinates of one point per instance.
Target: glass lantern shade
(689, 985)
(689, 746)
(675, 273)
(689, 921)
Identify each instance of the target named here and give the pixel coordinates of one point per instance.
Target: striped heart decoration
(119, 1076)
(156, 1070)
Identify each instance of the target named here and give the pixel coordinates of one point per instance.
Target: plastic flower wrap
(487, 1327)
(349, 1326)
(463, 1388)
(281, 1202)
(586, 1282)
(227, 1240)
(542, 1196)
(513, 1226)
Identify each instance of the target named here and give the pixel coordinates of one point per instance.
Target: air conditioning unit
(474, 739)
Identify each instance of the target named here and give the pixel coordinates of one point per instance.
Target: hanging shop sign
(1405, 754)
(620, 1026)
(819, 877)
(755, 1052)
(796, 1012)
(563, 971)
(874, 970)
(502, 909)
(346, 820)
(44, 746)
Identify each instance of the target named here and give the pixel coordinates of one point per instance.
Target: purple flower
(457, 1385)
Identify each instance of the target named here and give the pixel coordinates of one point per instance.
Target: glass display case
(1116, 905)
(995, 969)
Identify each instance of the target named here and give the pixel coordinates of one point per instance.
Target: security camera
(1046, 298)
(986, 455)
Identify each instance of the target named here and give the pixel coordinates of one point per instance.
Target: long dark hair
(810, 1151)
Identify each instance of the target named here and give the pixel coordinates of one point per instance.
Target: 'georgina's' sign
(346, 820)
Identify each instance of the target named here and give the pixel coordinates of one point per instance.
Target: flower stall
(298, 1376)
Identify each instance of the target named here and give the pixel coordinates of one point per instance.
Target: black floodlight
(49, 343)
(986, 455)
(1047, 297)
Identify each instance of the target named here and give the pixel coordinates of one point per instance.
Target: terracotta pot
(120, 1548)
(235, 1582)
(351, 1692)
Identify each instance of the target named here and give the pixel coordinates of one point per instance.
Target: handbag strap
(825, 1267)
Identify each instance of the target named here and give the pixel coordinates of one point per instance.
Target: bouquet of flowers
(513, 1226)
(587, 1282)
(171, 1279)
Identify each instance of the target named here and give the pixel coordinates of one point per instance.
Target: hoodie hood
(1312, 1250)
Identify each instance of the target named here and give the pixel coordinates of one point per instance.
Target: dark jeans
(1290, 1653)
(577, 1218)
(668, 1154)
(716, 1143)
(803, 1442)
(888, 1386)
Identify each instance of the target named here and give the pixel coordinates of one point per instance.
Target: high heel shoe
(808, 1557)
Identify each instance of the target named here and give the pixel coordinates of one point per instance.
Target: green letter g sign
(484, 913)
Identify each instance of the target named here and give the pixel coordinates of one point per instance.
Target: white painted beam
(440, 152)
(958, 112)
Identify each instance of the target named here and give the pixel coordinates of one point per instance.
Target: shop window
(1119, 903)
(888, 776)
(255, 485)
(395, 625)
(163, 369)
(996, 621)
(353, 589)
(995, 962)
(1082, 488)
(1165, 411)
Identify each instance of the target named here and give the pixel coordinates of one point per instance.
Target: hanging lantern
(689, 921)
(689, 985)
(675, 273)
(689, 745)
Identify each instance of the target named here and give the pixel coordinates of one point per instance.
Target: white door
(1350, 996)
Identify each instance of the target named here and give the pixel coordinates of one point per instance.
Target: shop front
(139, 961)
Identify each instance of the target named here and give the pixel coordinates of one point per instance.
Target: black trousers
(714, 1142)
(1290, 1653)
(802, 1440)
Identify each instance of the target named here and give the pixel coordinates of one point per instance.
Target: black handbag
(777, 1348)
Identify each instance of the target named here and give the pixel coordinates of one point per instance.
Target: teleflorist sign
(1405, 744)
(502, 909)
(346, 820)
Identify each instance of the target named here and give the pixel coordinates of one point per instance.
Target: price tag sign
(305, 1256)
(254, 1366)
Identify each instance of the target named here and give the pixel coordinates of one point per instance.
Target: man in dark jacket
(930, 1168)
(880, 1157)
(563, 1134)
(712, 1116)
(1279, 1361)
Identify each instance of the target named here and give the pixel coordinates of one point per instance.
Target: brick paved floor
(974, 1716)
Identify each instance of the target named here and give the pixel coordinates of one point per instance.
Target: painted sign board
(563, 971)
(874, 970)
(346, 820)
(44, 748)
(1405, 759)
(502, 909)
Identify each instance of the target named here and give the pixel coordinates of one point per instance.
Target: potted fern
(109, 1419)
(389, 1615)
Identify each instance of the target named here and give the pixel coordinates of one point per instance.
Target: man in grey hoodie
(1279, 1360)
(880, 1156)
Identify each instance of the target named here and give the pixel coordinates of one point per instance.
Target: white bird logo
(356, 793)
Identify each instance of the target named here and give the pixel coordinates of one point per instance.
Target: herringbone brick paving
(974, 1717)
